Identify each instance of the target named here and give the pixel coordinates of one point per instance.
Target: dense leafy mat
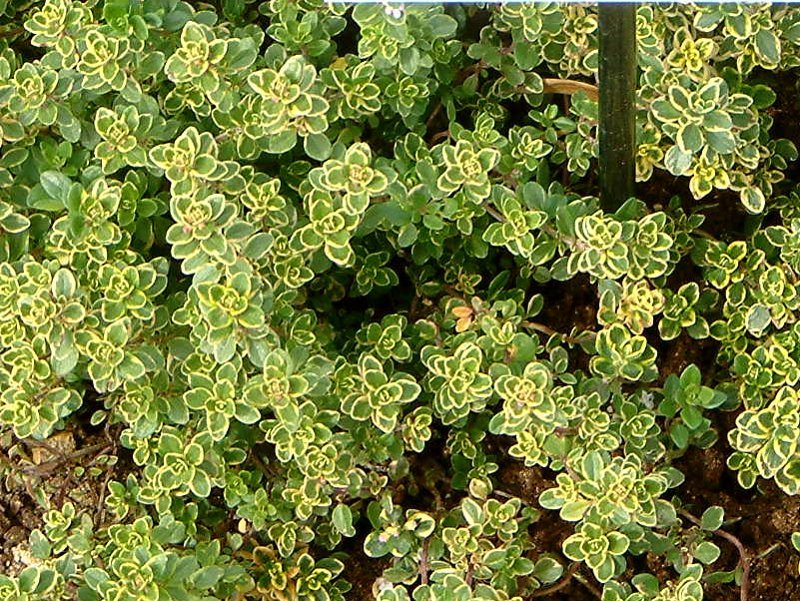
(309, 301)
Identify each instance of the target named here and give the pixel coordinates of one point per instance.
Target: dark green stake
(617, 75)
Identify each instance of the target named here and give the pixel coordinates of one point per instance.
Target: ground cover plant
(317, 301)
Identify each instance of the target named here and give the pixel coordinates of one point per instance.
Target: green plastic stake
(617, 83)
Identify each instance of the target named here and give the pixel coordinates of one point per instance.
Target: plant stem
(540, 327)
(744, 557)
(423, 562)
(543, 592)
(617, 77)
(589, 586)
(10, 33)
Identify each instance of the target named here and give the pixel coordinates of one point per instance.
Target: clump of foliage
(304, 263)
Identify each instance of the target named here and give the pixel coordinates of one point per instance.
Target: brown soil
(675, 355)
(762, 520)
(570, 308)
(549, 531)
(74, 465)
(571, 304)
(362, 572)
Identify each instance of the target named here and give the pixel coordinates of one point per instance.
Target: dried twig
(469, 574)
(46, 468)
(569, 87)
(46, 446)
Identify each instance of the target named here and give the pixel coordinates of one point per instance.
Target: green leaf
(547, 570)
(472, 512)
(258, 245)
(692, 416)
(758, 319)
(56, 185)
(29, 579)
(768, 46)
(14, 223)
(342, 518)
(68, 125)
(753, 199)
(706, 552)
(317, 146)
(282, 142)
(407, 236)
(690, 138)
(527, 56)
(573, 511)
(41, 200)
(40, 546)
(665, 111)
(94, 577)
(679, 435)
(246, 414)
(712, 518)
(207, 577)
(200, 484)
(677, 161)
(723, 142)
(409, 60)
(442, 26)
(64, 284)
(763, 96)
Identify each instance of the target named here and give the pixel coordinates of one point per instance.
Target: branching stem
(744, 557)
(540, 327)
